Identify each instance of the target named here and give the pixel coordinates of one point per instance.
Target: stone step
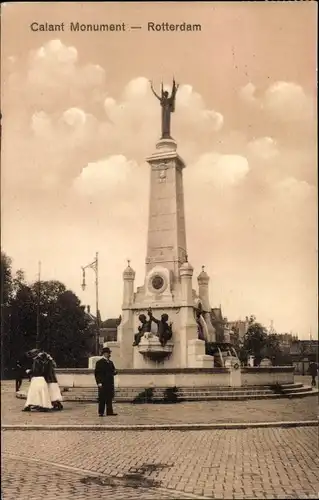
(194, 399)
(180, 393)
(185, 391)
(295, 384)
(294, 389)
(87, 395)
(78, 396)
(160, 390)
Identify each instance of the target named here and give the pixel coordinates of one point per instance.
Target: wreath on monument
(236, 366)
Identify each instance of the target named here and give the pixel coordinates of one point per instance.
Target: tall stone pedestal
(167, 287)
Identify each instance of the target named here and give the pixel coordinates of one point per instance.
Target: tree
(63, 325)
(18, 281)
(261, 344)
(6, 293)
(66, 332)
(22, 323)
(255, 341)
(6, 279)
(64, 328)
(16, 301)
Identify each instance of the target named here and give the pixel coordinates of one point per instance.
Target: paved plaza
(161, 464)
(208, 412)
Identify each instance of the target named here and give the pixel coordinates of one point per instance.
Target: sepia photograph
(159, 255)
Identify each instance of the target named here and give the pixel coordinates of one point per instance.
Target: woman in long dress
(53, 386)
(38, 394)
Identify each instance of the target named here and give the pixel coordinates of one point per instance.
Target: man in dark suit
(104, 376)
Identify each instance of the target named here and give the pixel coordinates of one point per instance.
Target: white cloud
(247, 93)
(288, 101)
(41, 124)
(104, 176)
(55, 51)
(136, 89)
(214, 119)
(54, 77)
(294, 189)
(264, 148)
(193, 111)
(220, 171)
(283, 101)
(74, 117)
(91, 75)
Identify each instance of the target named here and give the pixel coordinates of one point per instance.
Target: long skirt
(54, 391)
(38, 394)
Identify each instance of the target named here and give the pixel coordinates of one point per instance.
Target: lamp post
(38, 306)
(95, 266)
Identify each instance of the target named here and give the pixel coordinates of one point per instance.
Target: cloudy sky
(79, 120)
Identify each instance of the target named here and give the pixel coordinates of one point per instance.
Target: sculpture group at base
(164, 329)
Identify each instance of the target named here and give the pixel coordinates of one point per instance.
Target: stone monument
(166, 340)
(165, 322)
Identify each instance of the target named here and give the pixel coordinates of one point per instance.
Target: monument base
(182, 377)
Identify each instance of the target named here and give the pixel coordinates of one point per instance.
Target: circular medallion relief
(157, 282)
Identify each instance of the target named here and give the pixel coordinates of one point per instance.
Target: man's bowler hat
(106, 349)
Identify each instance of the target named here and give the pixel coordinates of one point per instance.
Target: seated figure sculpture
(164, 330)
(202, 330)
(144, 327)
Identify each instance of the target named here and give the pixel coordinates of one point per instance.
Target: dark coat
(37, 368)
(49, 373)
(19, 371)
(104, 374)
(313, 369)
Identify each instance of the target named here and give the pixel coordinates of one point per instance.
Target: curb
(158, 427)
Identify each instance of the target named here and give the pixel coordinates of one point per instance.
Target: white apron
(54, 391)
(38, 393)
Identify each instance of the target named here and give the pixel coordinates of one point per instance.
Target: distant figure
(38, 394)
(104, 376)
(164, 330)
(313, 371)
(168, 106)
(144, 327)
(19, 372)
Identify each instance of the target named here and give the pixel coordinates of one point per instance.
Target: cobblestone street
(254, 463)
(37, 481)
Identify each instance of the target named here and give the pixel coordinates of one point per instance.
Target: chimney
(89, 309)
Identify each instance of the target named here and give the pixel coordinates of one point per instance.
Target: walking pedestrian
(38, 394)
(104, 376)
(19, 372)
(313, 371)
(51, 380)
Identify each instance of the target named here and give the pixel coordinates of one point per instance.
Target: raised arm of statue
(173, 96)
(156, 321)
(152, 89)
(174, 89)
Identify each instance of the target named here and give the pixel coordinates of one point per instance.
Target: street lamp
(38, 306)
(95, 266)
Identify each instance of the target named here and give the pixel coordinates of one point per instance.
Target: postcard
(159, 245)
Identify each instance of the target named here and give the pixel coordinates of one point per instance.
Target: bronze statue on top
(168, 106)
